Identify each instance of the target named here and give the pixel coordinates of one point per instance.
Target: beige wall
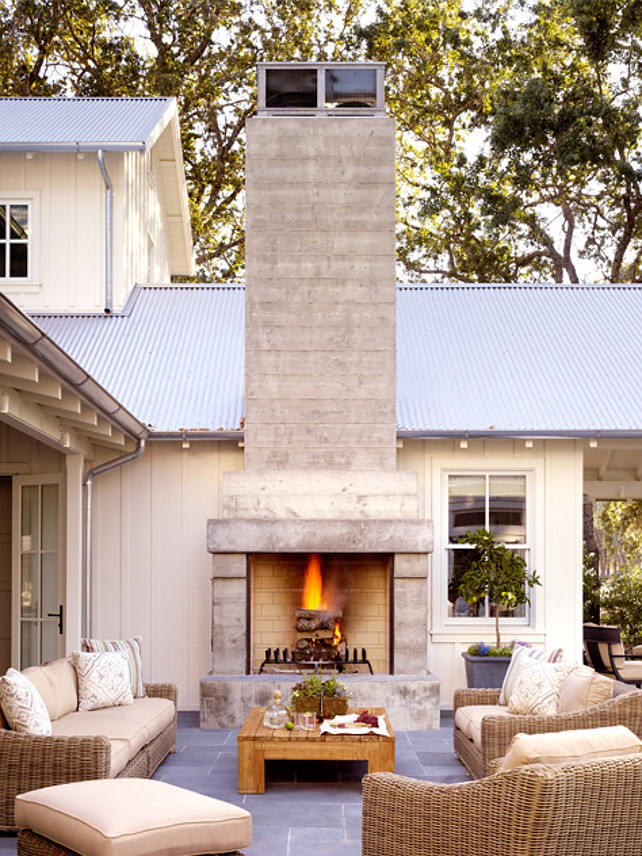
(554, 468)
(69, 227)
(151, 566)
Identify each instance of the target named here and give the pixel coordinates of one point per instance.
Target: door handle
(59, 616)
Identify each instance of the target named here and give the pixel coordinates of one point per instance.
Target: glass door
(38, 571)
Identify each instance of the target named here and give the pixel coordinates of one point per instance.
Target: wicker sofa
(130, 740)
(580, 808)
(497, 728)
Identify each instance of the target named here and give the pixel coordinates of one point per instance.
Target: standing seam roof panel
(56, 121)
(470, 359)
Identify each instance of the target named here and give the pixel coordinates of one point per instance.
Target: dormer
(92, 201)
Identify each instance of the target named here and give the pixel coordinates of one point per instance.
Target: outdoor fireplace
(319, 611)
(320, 465)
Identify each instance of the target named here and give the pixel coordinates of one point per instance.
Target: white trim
(452, 626)
(30, 283)
(18, 483)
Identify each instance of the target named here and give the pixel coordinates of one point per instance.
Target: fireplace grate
(297, 661)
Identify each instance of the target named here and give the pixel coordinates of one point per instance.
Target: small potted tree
(500, 574)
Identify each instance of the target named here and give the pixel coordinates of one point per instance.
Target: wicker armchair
(28, 761)
(624, 708)
(583, 809)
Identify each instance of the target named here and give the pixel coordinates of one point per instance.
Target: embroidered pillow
(522, 654)
(104, 680)
(133, 649)
(537, 687)
(22, 705)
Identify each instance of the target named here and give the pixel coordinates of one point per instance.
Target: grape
(368, 719)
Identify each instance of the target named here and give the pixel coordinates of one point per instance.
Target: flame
(313, 584)
(336, 635)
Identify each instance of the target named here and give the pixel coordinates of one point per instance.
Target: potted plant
(500, 574)
(326, 698)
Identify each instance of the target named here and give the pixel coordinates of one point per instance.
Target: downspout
(87, 521)
(109, 232)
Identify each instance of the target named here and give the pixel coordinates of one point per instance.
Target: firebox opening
(311, 609)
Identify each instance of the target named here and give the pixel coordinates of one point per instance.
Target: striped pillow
(132, 647)
(522, 654)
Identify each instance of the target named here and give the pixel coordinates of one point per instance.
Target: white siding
(555, 470)
(69, 229)
(151, 566)
(152, 569)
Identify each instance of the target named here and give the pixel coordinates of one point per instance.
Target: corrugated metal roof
(174, 358)
(519, 359)
(82, 124)
(491, 360)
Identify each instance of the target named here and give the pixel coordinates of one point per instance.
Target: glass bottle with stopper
(276, 715)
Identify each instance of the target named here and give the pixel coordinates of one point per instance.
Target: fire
(336, 635)
(313, 584)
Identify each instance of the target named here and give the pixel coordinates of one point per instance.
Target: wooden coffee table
(258, 744)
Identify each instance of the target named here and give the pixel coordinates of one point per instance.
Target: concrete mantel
(319, 536)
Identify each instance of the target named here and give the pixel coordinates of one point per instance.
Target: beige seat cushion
(469, 718)
(57, 684)
(133, 817)
(558, 747)
(630, 670)
(583, 688)
(128, 727)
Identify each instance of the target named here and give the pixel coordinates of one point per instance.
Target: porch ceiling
(613, 469)
(48, 396)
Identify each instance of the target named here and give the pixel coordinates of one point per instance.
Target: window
(497, 502)
(323, 88)
(15, 232)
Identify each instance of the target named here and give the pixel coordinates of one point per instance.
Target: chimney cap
(321, 88)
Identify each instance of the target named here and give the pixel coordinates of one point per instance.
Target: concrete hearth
(412, 701)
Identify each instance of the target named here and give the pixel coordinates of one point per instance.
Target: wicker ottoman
(127, 817)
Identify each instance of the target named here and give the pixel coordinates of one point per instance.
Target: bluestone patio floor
(307, 807)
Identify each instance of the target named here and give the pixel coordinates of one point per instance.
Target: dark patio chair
(605, 652)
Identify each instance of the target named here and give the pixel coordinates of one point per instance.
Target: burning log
(311, 620)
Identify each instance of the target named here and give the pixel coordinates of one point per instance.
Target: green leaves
(495, 572)
(518, 121)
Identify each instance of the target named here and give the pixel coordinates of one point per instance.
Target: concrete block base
(412, 701)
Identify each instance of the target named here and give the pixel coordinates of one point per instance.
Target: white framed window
(18, 218)
(499, 502)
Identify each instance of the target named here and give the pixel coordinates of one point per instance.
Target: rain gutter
(633, 434)
(109, 233)
(60, 364)
(87, 565)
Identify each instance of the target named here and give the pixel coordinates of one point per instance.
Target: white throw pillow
(583, 688)
(562, 747)
(104, 679)
(22, 705)
(523, 654)
(537, 687)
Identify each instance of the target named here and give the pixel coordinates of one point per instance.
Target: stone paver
(305, 804)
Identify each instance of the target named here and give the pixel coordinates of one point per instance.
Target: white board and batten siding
(152, 571)
(555, 472)
(68, 227)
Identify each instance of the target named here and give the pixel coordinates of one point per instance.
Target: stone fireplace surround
(320, 431)
(410, 694)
